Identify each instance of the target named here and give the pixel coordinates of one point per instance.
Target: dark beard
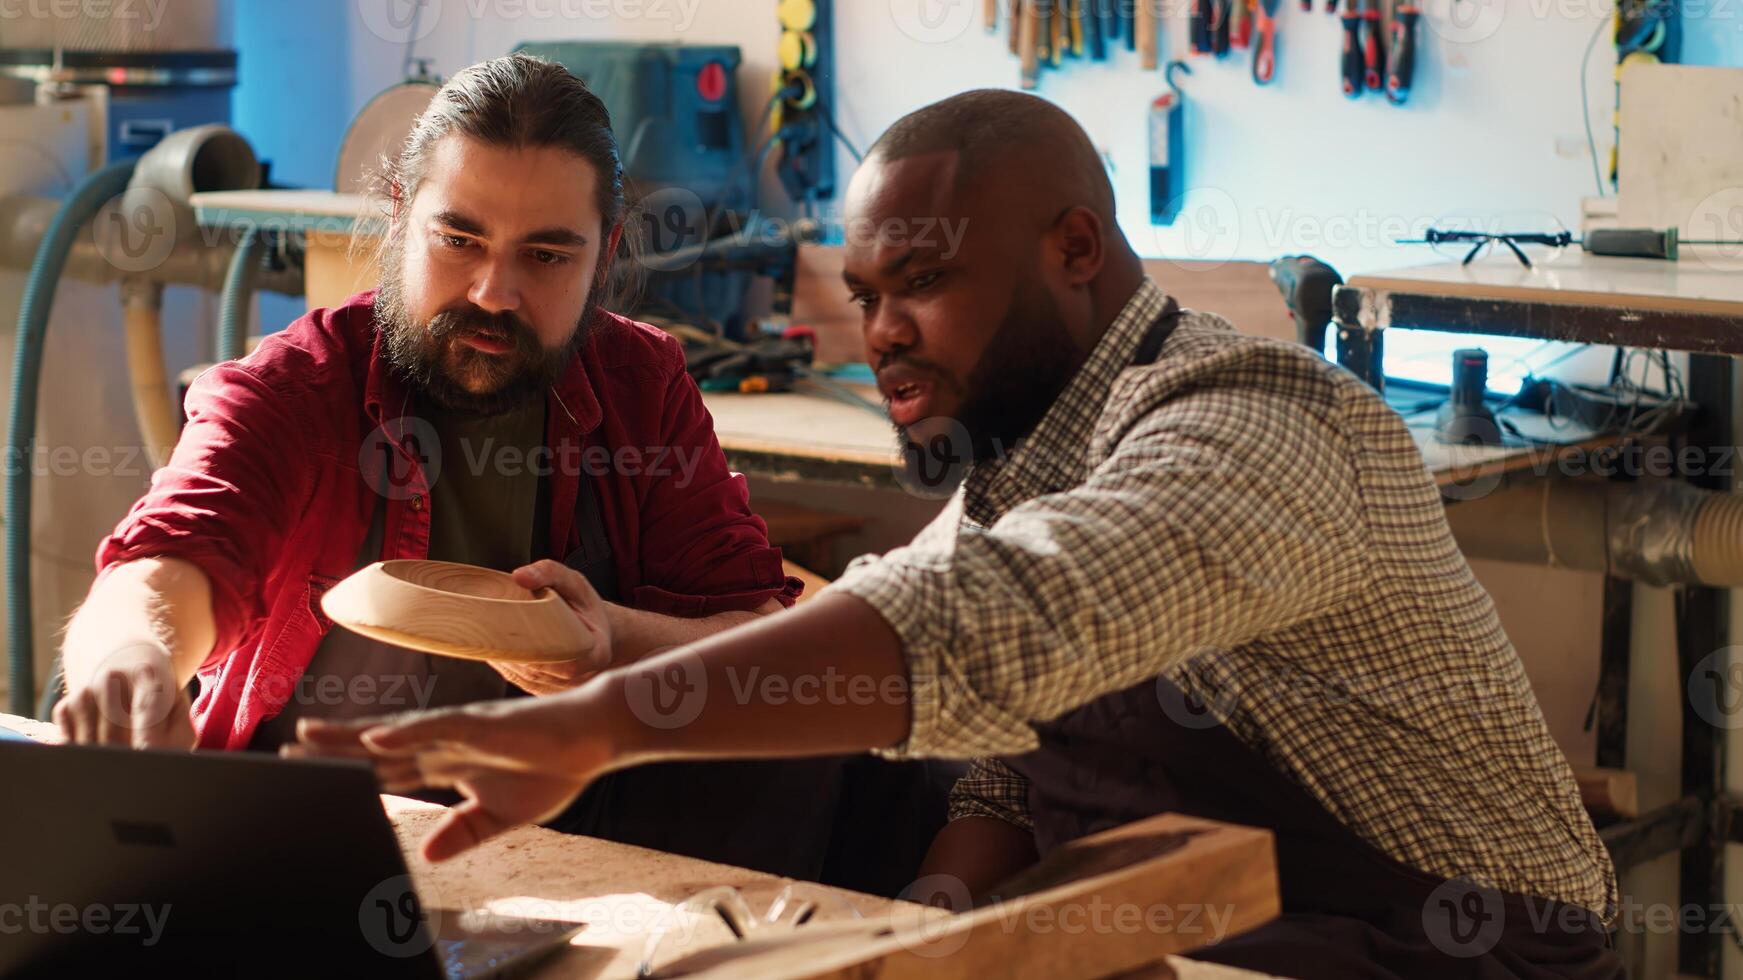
(429, 358)
(1029, 361)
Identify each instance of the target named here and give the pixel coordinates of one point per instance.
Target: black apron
(1348, 910)
(774, 815)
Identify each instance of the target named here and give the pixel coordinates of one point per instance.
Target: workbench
(620, 893)
(1694, 305)
(791, 436)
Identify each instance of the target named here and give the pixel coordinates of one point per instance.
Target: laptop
(223, 864)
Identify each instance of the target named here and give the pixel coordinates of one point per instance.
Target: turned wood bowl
(457, 610)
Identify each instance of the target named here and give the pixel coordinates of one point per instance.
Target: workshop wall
(1291, 167)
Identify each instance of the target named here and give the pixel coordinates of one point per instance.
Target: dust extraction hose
(85, 201)
(238, 294)
(1661, 531)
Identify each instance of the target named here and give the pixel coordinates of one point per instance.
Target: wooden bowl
(457, 610)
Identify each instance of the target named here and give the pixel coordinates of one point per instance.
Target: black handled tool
(1401, 69)
(1352, 61)
(1373, 56)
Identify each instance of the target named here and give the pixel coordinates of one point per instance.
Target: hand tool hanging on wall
(1059, 40)
(1373, 55)
(1144, 25)
(1199, 27)
(1351, 64)
(1044, 34)
(1241, 24)
(990, 12)
(1093, 44)
(1029, 43)
(1222, 12)
(1014, 27)
(1111, 30)
(1265, 48)
(1401, 65)
(1168, 148)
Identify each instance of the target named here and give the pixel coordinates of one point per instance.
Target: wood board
(1169, 863)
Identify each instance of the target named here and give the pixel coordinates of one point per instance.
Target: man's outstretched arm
(826, 678)
(130, 650)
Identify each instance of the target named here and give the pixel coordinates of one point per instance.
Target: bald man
(1187, 571)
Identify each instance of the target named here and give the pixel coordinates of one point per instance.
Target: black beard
(1027, 364)
(429, 358)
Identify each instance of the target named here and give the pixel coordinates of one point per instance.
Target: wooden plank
(1680, 160)
(1609, 794)
(1150, 875)
(1640, 286)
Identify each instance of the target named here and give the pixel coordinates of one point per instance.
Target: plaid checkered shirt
(1255, 524)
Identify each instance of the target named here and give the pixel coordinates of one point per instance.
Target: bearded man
(481, 407)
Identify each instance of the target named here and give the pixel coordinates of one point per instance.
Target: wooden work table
(803, 436)
(621, 893)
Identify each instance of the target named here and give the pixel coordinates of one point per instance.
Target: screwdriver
(1373, 56)
(1626, 243)
(1642, 243)
(1402, 67)
(1352, 62)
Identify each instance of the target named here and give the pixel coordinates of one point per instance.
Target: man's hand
(595, 614)
(516, 761)
(131, 699)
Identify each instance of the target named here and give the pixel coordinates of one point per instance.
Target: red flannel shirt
(269, 492)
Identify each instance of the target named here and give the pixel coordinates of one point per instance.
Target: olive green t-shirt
(488, 507)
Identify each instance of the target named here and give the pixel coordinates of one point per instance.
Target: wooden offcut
(1168, 870)
(1609, 794)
